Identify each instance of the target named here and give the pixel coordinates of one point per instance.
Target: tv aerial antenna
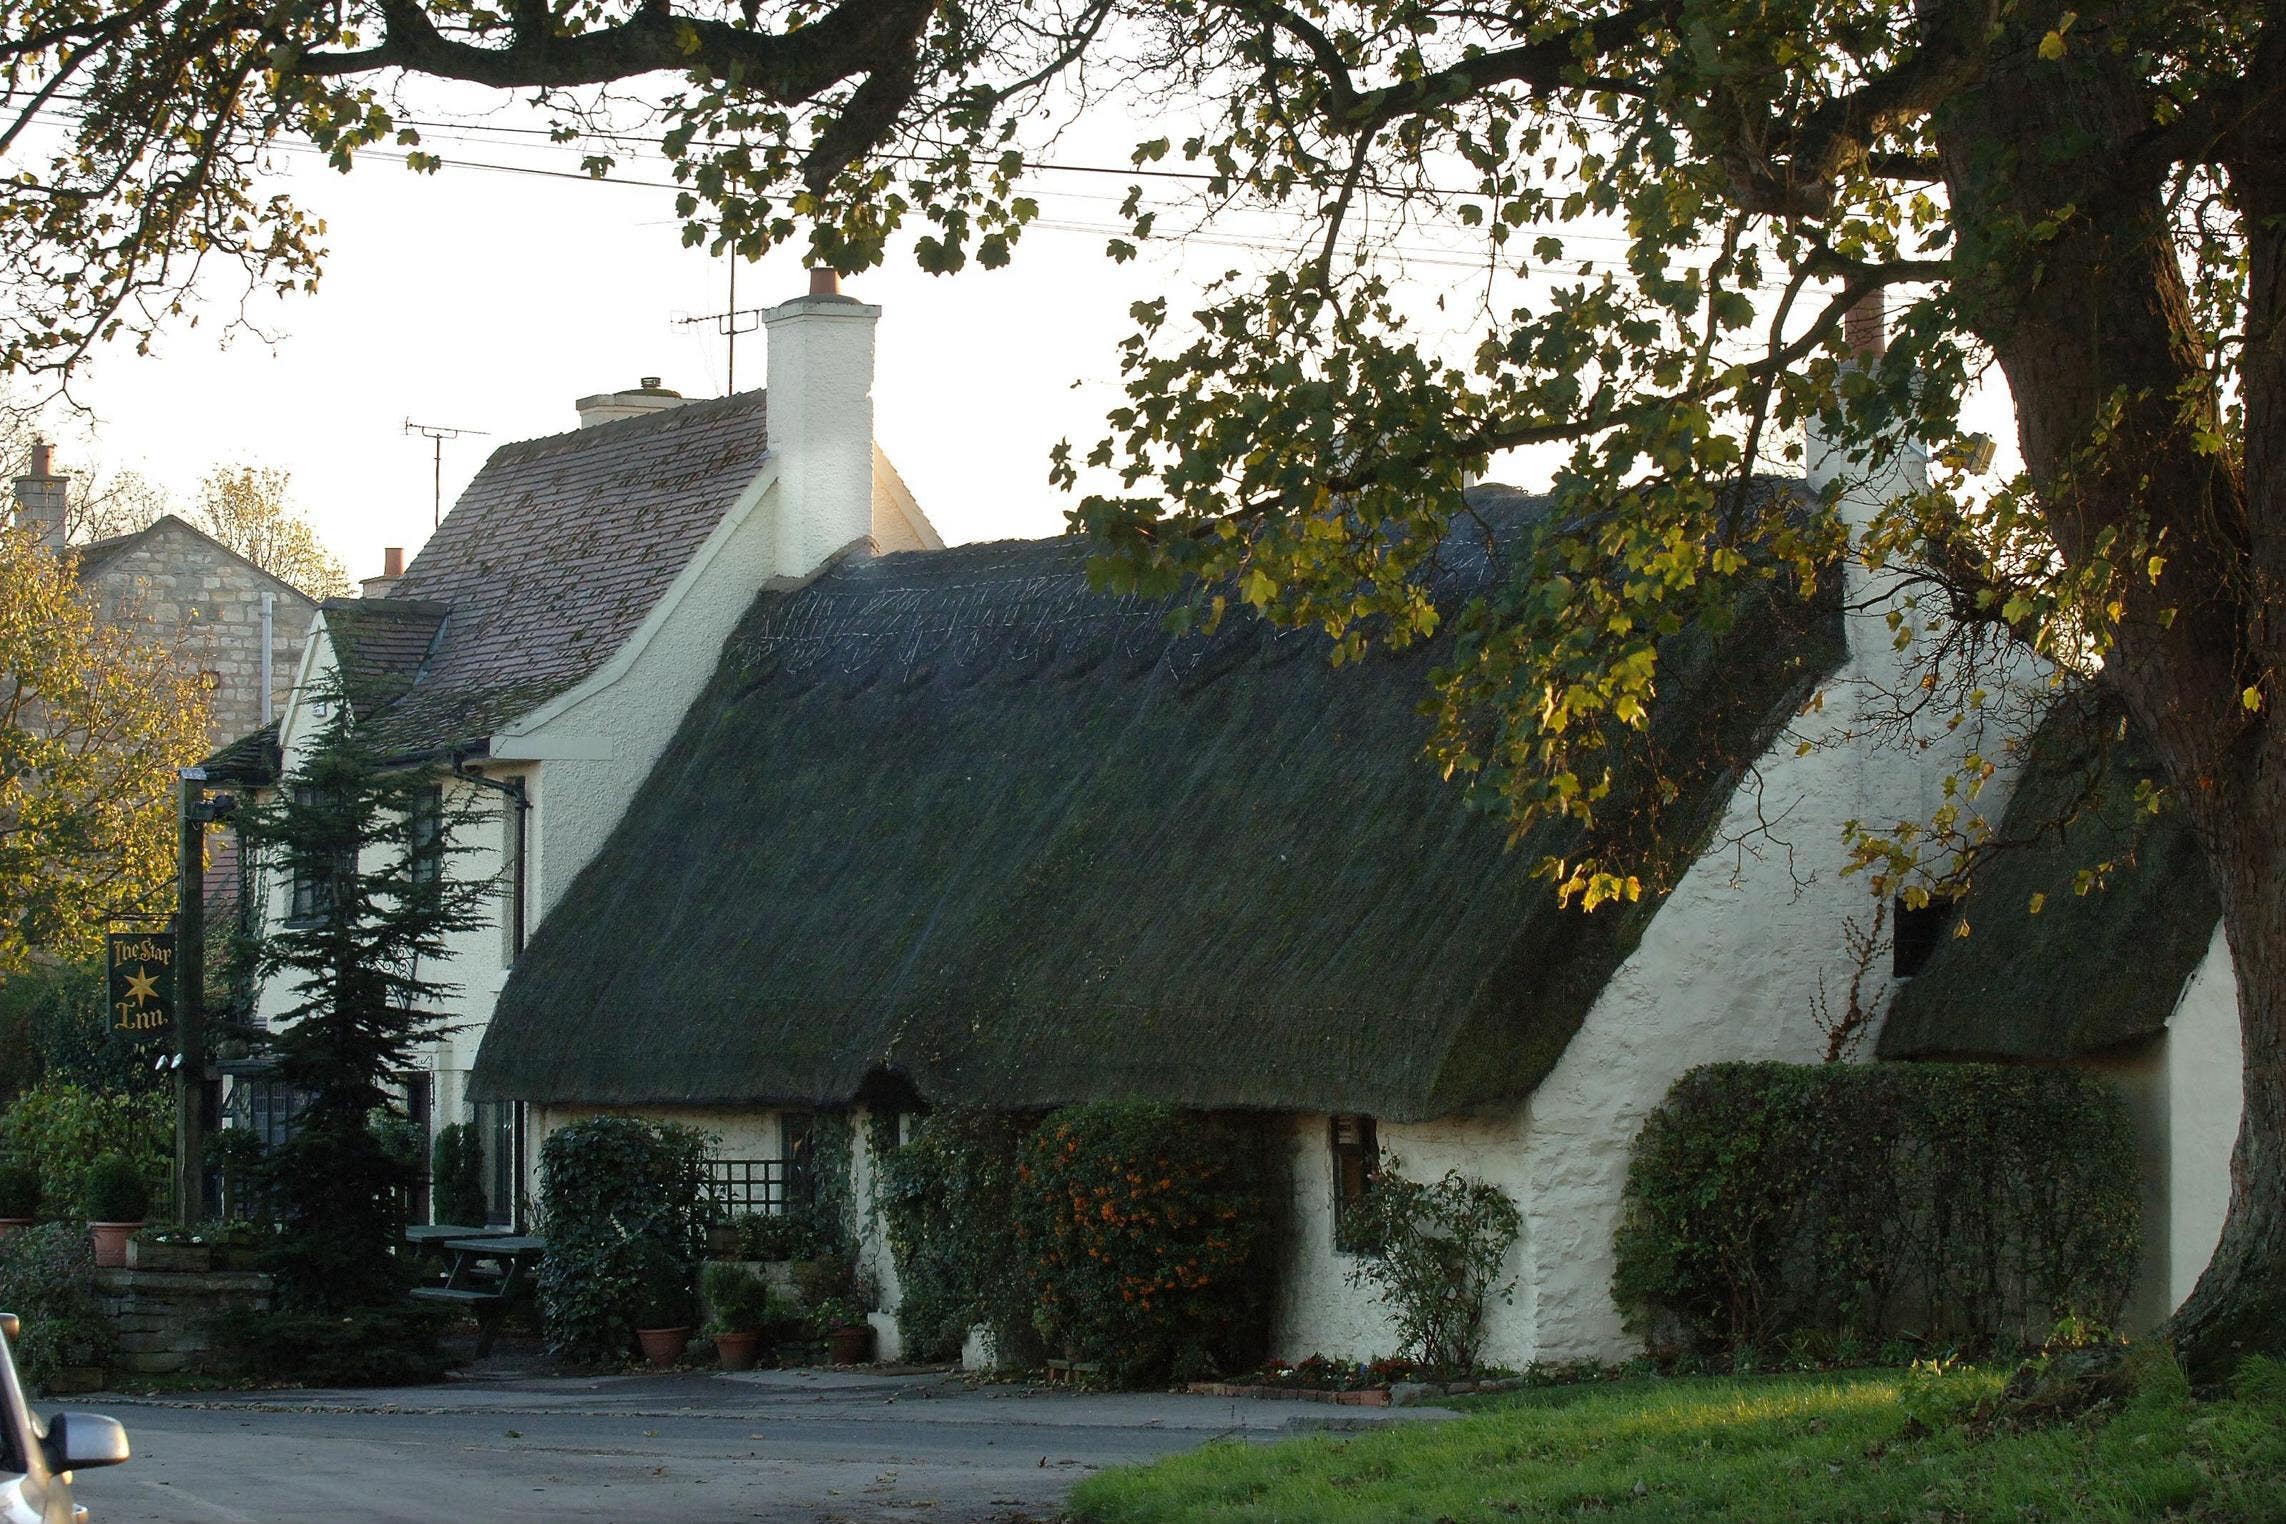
(437, 433)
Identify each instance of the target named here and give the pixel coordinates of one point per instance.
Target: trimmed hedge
(1146, 1234)
(1967, 1204)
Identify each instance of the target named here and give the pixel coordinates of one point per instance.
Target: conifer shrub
(1826, 1206)
(1145, 1236)
(456, 1175)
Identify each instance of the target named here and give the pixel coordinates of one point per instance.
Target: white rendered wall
(1730, 968)
(2205, 1095)
(1318, 1312)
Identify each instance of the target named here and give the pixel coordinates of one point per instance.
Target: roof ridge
(690, 409)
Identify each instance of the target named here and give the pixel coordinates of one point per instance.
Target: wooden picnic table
(488, 1271)
(421, 1234)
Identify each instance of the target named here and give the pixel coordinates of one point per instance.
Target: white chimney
(820, 413)
(41, 498)
(610, 407)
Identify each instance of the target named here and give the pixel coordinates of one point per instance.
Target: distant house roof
(2090, 971)
(954, 816)
(251, 759)
(551, 559)
(96, 556)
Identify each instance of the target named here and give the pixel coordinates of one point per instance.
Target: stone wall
(163, 1315)
(189, 591)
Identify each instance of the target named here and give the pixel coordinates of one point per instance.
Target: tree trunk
(2239, 1305)
(2070, 277)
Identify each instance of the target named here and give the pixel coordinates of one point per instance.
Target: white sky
(489, 301)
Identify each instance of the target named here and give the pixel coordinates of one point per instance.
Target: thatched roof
(2090, 971)
(954, 816)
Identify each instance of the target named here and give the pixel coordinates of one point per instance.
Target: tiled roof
(382, 642)
(252, 758)
(553, 556)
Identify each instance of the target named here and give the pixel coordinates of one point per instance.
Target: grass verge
(1844, 1446)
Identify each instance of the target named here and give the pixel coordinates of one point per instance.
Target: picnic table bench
(488, 1270)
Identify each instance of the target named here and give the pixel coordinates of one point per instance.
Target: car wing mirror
(79, 1440)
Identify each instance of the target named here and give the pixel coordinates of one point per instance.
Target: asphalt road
(797, 1445)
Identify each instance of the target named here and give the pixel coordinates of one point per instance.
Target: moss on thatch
(2105, 959)
(955, 816)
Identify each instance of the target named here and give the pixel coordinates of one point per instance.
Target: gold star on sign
(141, 987)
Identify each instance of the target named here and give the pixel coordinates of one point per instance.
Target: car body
(37, 1459)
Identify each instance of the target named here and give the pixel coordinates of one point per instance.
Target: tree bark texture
(2070, 276)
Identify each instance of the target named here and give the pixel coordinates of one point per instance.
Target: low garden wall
(162, 1317)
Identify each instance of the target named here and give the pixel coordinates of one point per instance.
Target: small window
(1917, 934)
(425, 836)
(500, 1133)
(515, 841)
(1356, 1159)
(797, 1145)
(312, 888)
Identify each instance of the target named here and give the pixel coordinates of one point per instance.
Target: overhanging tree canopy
(2093, 199)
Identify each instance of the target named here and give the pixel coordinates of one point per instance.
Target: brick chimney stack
(1866, 327)
(42, 497)
(392, 567)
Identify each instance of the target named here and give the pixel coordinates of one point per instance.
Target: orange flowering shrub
(1146, 1233)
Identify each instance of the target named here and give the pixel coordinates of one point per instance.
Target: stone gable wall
(208, 602)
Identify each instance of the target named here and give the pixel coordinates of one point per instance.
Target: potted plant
(663, 1316)
(233, 1243)
(786, 1331)
(842, 1324)
(163, 1246)
(116, 1200)
(19, 1197)
(739, 1302)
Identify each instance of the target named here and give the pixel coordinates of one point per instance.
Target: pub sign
(141, 965)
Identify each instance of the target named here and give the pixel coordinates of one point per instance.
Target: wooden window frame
(424, 836)
(1354, 1144)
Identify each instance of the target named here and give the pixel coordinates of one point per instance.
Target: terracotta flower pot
(663, 1346)
(111, 1243)
(851, 1344)
(737, 1351)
